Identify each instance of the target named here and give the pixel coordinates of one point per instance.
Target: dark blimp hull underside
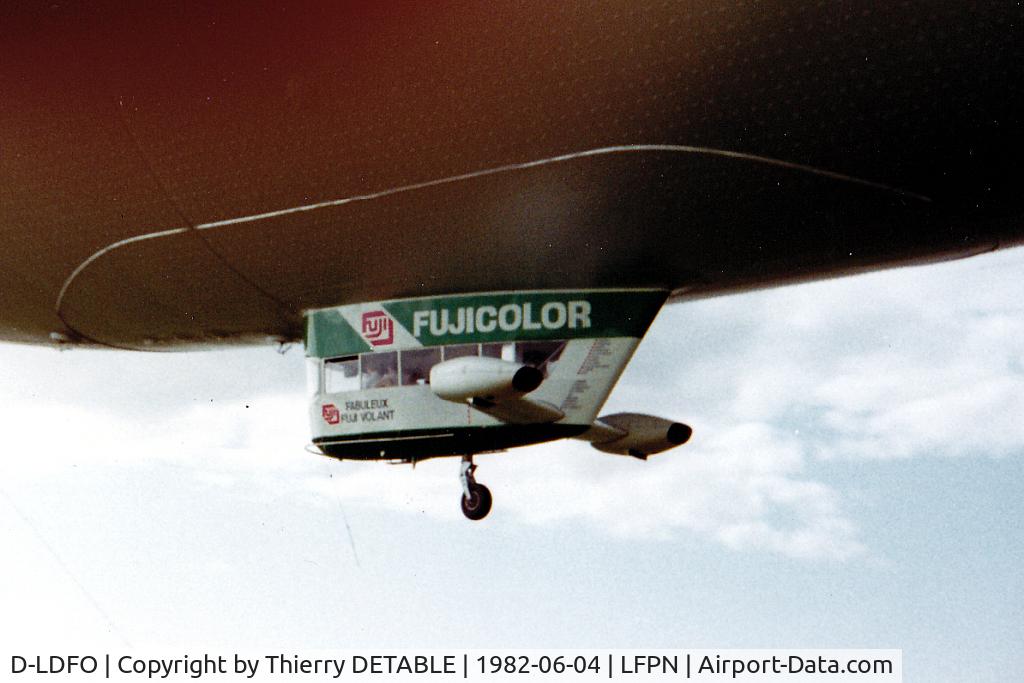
(178, 176)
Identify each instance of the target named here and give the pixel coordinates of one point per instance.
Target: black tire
(478, 504)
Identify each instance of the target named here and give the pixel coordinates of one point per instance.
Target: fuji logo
(378, 329)
(332, 415)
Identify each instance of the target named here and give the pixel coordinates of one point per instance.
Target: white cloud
(742, 487)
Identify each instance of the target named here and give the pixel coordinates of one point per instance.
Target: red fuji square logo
(378, 328)
(331, 414)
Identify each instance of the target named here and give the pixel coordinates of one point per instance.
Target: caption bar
(874, 666)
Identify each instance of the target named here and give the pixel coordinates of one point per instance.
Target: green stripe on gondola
(527, 315)
(494, 317)
(327, 334)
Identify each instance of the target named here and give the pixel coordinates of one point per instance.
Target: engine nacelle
(635, 434)
(480, 377)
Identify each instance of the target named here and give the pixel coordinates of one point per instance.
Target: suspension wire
(64, 567)
(344, 517)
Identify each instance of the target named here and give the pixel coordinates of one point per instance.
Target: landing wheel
(476, 498)
(478, 503)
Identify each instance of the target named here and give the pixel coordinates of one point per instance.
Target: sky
(854, 481)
